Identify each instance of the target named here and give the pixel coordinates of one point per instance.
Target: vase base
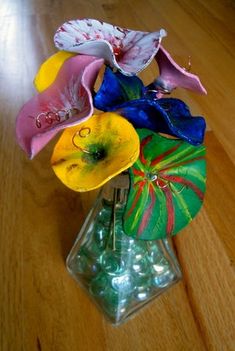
(120, 285)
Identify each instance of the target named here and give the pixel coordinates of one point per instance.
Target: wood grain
(41, 307)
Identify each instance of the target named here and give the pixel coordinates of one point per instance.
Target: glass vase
(120, 273)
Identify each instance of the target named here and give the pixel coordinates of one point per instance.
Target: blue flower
(129, 98)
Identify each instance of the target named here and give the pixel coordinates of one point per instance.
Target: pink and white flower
(127, 50)
(66, 102)
(172, 76)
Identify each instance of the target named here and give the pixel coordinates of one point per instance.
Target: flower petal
(116, 89)
(49, 69)
(67, 102)
(173, 76)
(128, 50)
(167, 188)
(170, 116)
(88, 155)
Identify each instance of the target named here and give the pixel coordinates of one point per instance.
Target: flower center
(95, 153)
(118, 52)
(151, 176)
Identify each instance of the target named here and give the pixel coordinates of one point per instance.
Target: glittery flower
(88, 155)
(129, 98)
(128, 50)
(64, 103)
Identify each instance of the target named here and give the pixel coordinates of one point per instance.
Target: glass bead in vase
(120, 273)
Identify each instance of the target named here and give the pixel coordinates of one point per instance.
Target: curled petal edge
(73, 36)
(34, 143)
(172, 75)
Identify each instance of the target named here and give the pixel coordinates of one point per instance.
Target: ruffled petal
(117, 89)
(88, 155)
(128, 97)
(173, 76)
(67, 102)
(170, 116)
(128, 50)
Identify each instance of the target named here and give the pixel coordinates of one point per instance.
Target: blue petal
(117, 89)
(170, 116)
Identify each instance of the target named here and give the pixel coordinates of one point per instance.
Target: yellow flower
(89, 154)
(49, 70)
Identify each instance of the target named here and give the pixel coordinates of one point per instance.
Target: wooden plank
(41, 307)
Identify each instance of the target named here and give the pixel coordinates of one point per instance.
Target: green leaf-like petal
(167, 188)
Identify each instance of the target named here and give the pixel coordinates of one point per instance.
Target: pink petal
(67, 102)
(172, 75)
(128, 50)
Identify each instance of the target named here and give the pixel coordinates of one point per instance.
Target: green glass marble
(84, 265)
(119, 272)
(141, 267)
(142, 294)
(123, 283)
(99, 285)
(115, 304)
(112, 263)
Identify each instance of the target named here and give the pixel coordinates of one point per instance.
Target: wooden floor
(41, 307)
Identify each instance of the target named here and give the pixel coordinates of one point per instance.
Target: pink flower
(128, 50)
(66, 102)
(173, 76)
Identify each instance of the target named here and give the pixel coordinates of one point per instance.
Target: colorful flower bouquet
(146, 147)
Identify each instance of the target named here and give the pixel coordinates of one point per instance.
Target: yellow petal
(49, 70)
(88, 155)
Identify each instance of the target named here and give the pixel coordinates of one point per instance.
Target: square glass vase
(120, 273)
